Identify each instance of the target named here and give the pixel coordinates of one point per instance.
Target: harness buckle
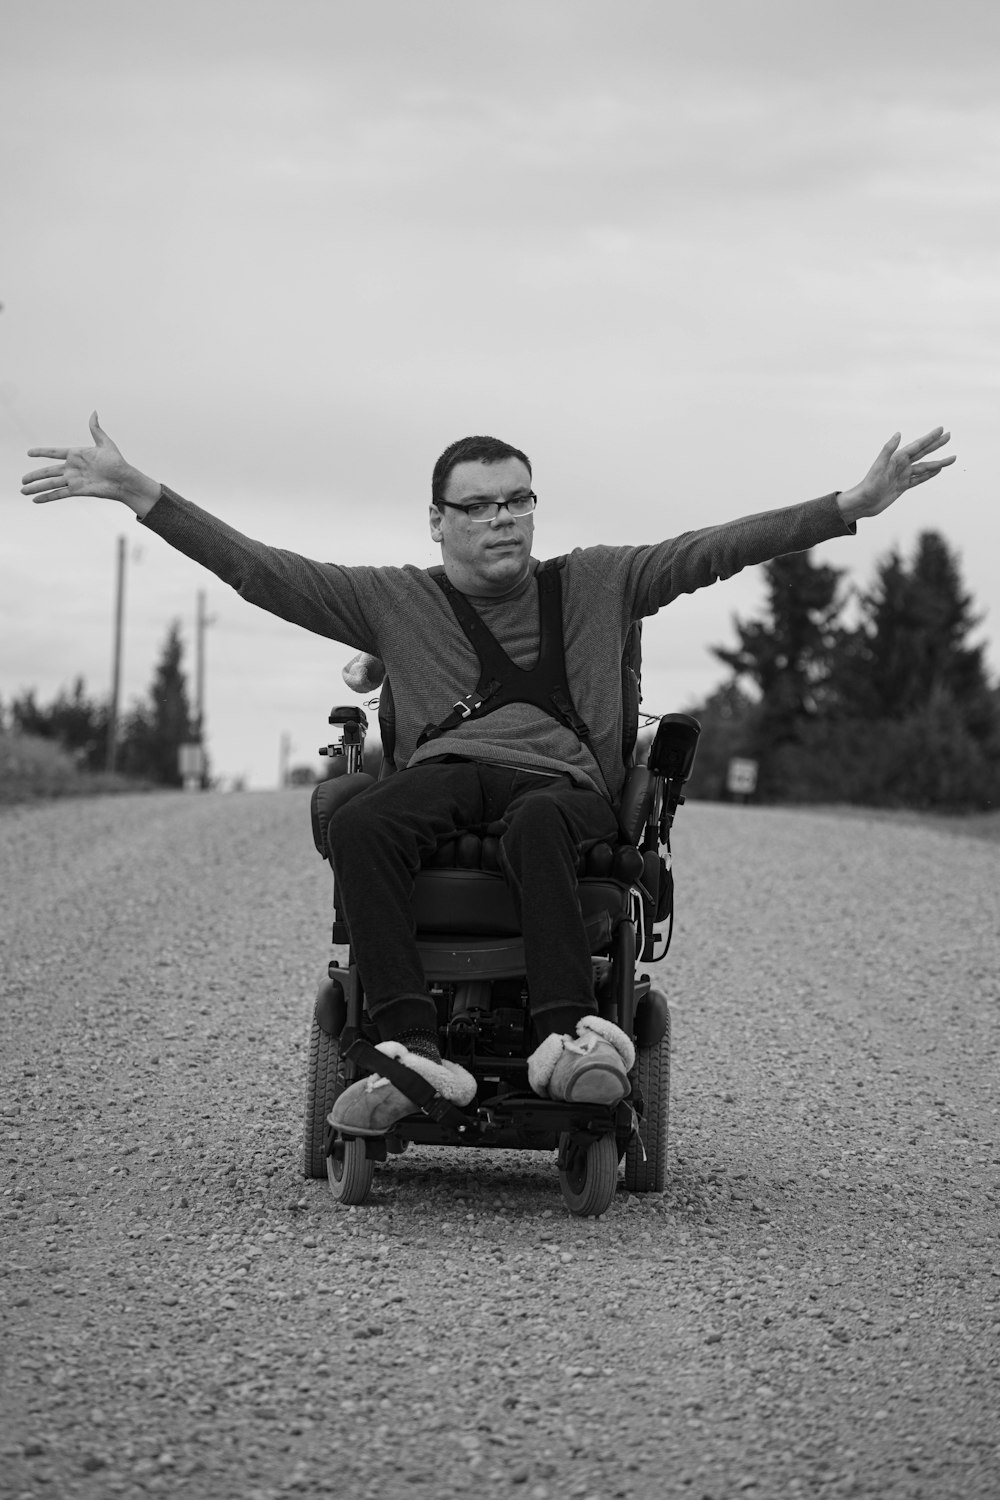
(467, 706)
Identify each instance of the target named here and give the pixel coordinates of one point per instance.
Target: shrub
(33, 769)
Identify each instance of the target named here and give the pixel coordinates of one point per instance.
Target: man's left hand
(896, 470)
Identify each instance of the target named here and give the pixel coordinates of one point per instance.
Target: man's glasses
(488, 510)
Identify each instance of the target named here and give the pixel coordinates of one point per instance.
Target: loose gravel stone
(811, 1306)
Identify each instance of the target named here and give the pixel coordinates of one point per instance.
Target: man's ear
(436, 518)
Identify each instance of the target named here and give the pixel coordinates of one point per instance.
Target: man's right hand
(100, 470)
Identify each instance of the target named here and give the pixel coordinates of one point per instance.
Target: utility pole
(116, 659)
(203, 621)
(286, 751)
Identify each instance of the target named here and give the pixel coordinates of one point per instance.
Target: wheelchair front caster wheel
(350, 1171)
(589, 1175)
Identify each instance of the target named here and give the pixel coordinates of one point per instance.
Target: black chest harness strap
(502, 681)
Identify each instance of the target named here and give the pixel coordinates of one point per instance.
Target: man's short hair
(487, 450)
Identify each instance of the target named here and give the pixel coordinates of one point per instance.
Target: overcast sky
(697, 261)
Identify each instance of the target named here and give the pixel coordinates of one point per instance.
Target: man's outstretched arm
(896, 470)
(100, 471)
(323, 597)
(697, 559)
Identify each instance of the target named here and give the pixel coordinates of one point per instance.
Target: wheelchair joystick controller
(672, 752)
(671, 757)
(350, 744)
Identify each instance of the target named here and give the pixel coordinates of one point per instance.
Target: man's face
(484, 557)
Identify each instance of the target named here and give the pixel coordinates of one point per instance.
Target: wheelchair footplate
(509, 1118)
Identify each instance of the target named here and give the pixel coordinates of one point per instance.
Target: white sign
(190, 760)
(741, 777)
(191, 764)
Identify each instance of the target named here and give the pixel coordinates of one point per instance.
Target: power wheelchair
(473, 957)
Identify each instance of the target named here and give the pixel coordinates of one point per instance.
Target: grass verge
(975, 825)
(37, 770)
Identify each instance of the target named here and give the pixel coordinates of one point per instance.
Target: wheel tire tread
(356, 1174)
(597, 1191)
(321, 1090)
(653, 1077)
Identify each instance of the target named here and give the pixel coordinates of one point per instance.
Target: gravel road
(811, 1308)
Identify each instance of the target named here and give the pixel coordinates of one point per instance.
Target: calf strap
(422, 1094)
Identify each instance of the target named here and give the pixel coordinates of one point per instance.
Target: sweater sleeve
(321, 597)
(695, 559)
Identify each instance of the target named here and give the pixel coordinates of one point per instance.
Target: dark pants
(380, 839)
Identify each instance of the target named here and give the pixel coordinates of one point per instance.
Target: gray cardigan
(400, 615)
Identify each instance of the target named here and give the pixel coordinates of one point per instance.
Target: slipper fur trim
(542, 1062)
(450, 1080)
(610, 1033)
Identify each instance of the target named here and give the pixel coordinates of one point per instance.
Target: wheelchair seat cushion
(461, 891)
(475, 903)
(479, 849)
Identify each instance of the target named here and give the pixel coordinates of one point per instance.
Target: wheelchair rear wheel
(322, 1087)
(648, 1173)
(588, 1175)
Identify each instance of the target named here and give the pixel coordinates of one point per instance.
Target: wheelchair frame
(483, 1012)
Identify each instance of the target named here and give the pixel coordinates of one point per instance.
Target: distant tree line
(150, 733)
(877, 697)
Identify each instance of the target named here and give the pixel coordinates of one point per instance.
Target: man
(502, 717)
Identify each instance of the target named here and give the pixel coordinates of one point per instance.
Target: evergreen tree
(897, 712)
(790, 657)
(913, 647)
(155, 731)
(917, 677)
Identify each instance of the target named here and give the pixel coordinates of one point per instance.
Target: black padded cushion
(471, 903)
(636, 801)
(327, 796)
(479, 849)
(461, 890)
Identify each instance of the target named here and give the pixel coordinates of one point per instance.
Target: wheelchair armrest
(636, 802)
(327, 796)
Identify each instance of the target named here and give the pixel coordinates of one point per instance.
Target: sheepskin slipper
(373, 1105)
(364, 673)
(590, 1068)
